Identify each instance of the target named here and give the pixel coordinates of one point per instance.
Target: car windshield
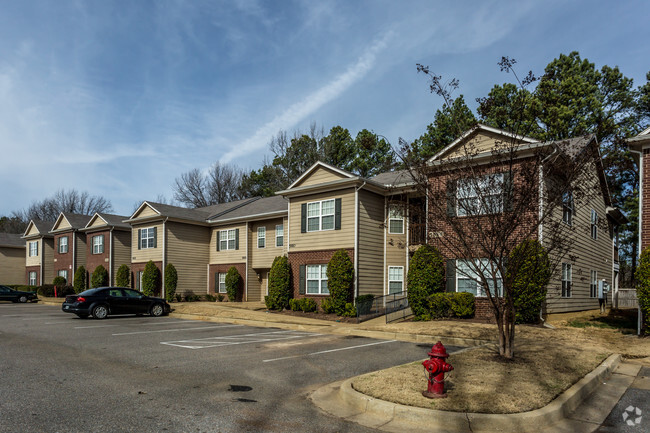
(90, 292)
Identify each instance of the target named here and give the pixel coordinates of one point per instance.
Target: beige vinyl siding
(12, 265)
(320, 175)
(48, 260)
(33, 260)
(262, 258)
(371, 239)
(146, 211)
(396, 250)
(80, 249)
(98, 222)
(121, 250)
(146, 254)
(254, 293)
(32, 231)
(62, 224)
(228, 256)
(483, 141)
(328, 239)
(187, 250)
(586, 254)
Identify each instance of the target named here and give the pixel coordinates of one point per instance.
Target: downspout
(640, 199)
(356, 239)
(164, 256)
(110, 256)
(247, 270)
(42, 259)
(540, 227)
(74, 253)
(385, 268)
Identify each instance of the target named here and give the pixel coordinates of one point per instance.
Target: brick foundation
(223, 268)
(483, 309)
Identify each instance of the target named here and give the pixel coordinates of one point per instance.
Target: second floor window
(98, 244)
(148, 238)
(395, 220)
(33, 249)
(480, 196)
(63, 244)
(279, 235)
(320, 215)
(594, 224)
(261, 237)
(227, 239)
(567, 208)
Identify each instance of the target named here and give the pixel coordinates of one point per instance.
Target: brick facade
(645, 224)
(296, 259)
(138, 267)
(94, 260)
(223, 268)
(63, 261)
(36, 269)
(483, 309)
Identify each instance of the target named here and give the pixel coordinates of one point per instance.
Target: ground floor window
(64, 273)
(395, 279)
(468, 279)
(221, 282)
(32, 278)
(593, 286)
(566, 280)
(317, 280)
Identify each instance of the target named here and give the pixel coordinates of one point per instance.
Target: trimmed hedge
(364, 303)
(99, 277)
(448, 305)
(327, 305)
(233, 281)
(123, 276)
(59, 282)
(642, 277)
(279, 284)
(306, 305)
(47, 290)
(80, 282)
(340, 277)
(529, 269)
(425, 277)
(150, 278)
(171, 280)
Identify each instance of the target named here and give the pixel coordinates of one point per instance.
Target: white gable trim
(325, 165)
(58, 221)
(144, 203)
(94, 218)
(480, 127)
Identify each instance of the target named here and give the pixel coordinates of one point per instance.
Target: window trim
(34, 281)
(95, 245)
(481, 291)
(594, 225)
(320, 215)
(33, 249)
(219, 278)
(593, 284)
(63, 273)
(279, 228)
(482, 197)
(227, 239)
(145, 238)
(396, 209)
(261, 237)
(320, 279)
(567, 285)
(63, 245)
(401, 280)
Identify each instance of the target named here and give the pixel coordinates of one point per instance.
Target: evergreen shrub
(80, 283)
(642, 277)
(171, 280)
(279, 284)
(99, 277)
(233, 281)
(340, 277)
(425, 277)
(529, 270)
(123, 276)
(150, 278)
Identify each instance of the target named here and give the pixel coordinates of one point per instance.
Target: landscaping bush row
(448, 305)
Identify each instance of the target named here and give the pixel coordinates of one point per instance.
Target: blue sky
(119, 98)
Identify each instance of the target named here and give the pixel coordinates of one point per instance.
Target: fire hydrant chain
(436, 367)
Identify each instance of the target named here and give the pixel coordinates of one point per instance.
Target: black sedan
(102, 301)
(9, 294)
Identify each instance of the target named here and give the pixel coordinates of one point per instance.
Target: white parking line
(94, 326)
(177, 329)
(329, 351)
(232, 340)
(55, 323)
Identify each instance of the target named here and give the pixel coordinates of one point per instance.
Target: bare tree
(219, 184)
(482, 203)
(71, 201)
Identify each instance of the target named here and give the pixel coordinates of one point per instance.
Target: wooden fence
(625, 298)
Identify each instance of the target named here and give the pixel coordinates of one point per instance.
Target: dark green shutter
(301, 288)
(139, 238)
(303, 218)
(236, 239)
(337, 214)
(507, 191)
(155, 237)
(451, 197)
(216, 282)
(450, 275)
(218, 239)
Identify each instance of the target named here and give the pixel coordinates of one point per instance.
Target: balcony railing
(417, 234)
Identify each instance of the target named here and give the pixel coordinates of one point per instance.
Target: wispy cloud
(311, 103)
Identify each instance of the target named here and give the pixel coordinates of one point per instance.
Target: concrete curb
(377, 413)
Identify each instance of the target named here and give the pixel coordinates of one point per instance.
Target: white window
(33, 249)
(279, 235)
(468, 280)
(566, 280)
(594, 224)
(98, 244)
(317, 280)
(567, 208)
(221, 282)
(395, 279)
(480, 196)
(593, 285)
(147, 238)
(320, 215)
(63, 273)
(227, 239)
(32, 278)
(261, 237)
(63, 244)
(395, 219)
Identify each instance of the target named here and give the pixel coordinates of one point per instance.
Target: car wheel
(157, 310)
(22, 299)
(100, 312)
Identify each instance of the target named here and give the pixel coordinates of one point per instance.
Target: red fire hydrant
(436, 367)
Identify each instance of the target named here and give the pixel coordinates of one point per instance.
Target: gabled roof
(42, 227)
(393, 179)
(475, 130)
(198, 215)
(318, 164)
(76, 222)
(109, 220)
(637, 142)
(11, 240)
(267, 207)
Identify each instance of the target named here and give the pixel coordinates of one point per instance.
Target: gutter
(356, 239)
(164, 257)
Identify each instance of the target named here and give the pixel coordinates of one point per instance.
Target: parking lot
(62, 373)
